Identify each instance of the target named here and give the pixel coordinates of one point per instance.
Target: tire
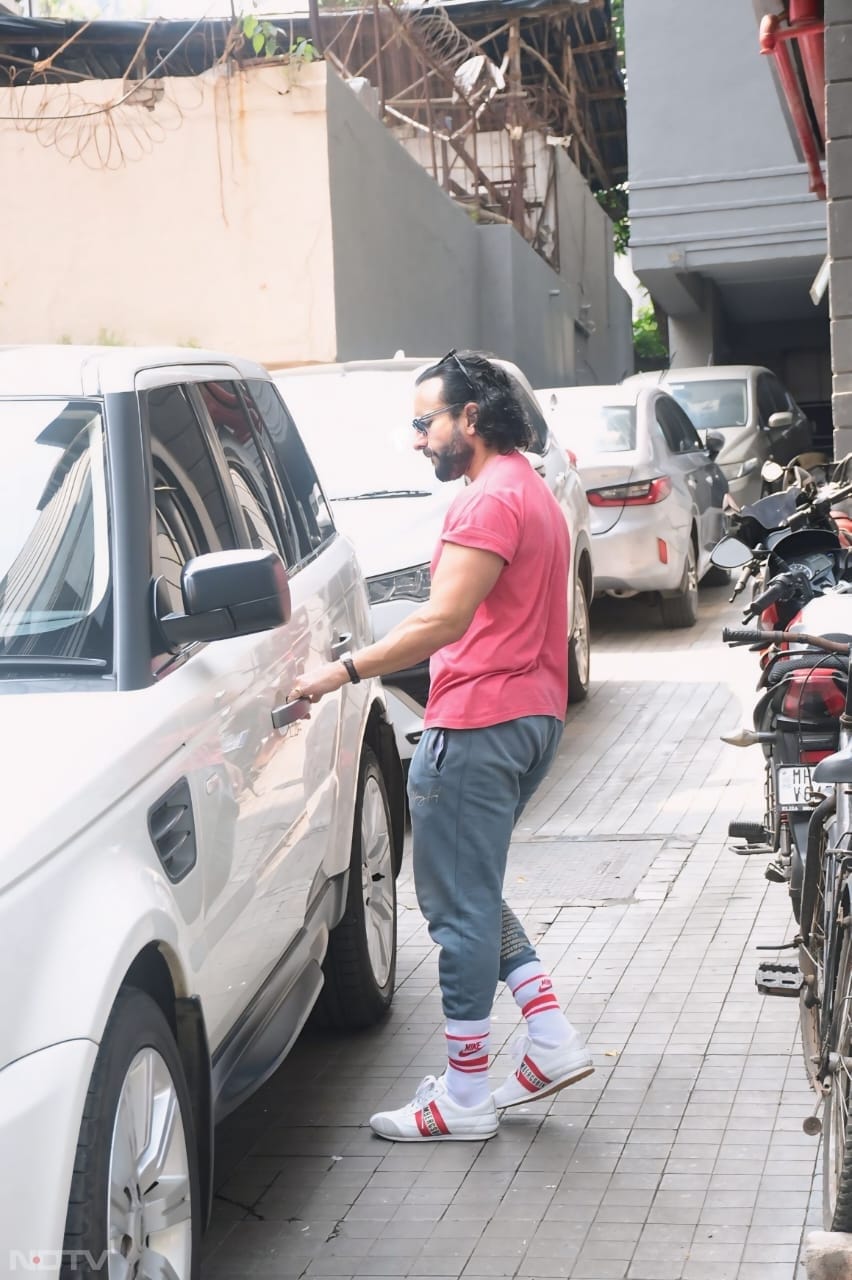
(360, 964)
(579, 649)
(682, 610)
(137, 1078)
(837, 1123)
(716, 576)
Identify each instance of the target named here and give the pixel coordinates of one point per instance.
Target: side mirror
(771, 471)
(714, 442)
(228, 593)
(730, 553)
(779, 420)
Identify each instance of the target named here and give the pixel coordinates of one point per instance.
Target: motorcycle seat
(785, 665)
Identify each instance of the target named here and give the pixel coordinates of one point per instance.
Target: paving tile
(682, 1157)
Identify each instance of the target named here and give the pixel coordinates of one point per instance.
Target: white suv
(187, 861)
(356, 419)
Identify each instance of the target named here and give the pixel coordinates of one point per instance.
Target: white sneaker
(542, 1071)
(434, 1117)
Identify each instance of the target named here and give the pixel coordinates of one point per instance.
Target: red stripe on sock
(538, 1005)
(470, 1064)
(526, 982)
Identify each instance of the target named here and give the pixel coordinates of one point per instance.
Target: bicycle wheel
(836, 1129)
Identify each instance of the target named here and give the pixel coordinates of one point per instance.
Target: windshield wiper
(385, 493)
(27, 661)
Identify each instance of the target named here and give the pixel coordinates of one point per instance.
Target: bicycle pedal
(750, 832)
(774, 979)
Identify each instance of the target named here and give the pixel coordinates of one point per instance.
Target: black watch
(346, 659)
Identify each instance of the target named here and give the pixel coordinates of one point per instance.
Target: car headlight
(405, 584)
(746, 468)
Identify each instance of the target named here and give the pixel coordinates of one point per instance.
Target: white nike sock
(467, 1061)
(533, 990)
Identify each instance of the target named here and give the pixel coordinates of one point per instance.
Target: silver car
(755, 413)
(655, 493)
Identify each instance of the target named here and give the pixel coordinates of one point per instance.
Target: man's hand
(321, 681)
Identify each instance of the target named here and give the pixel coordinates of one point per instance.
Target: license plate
(794, 786)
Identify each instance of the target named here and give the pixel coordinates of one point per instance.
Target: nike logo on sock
(470, 1049)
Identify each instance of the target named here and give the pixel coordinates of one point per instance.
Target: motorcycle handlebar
(735, 635)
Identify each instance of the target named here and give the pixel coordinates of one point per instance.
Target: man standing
(495, 627)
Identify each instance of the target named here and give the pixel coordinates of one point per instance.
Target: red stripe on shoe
(538, 1004)
(532, 1079)
(438, 1118)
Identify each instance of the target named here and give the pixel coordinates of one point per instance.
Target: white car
(187, 862)
(356, 418)
(754, 413)
(655, 494)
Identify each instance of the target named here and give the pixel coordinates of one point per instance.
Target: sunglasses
(422, 424)
(451, 355)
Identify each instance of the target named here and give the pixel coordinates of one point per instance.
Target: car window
(55, 558)
(782, 401)
(767, 398)
(251, 470)
(712, 404)
(671, 419)
(190, 505)
(690, 440)
(536, 420)
(295, 471)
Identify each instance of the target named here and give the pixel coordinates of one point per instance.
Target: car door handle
(341, 645)
(290, 712)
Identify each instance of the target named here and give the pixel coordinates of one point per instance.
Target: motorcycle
(788, 544)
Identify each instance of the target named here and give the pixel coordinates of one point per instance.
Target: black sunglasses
(422, 424)
(451, 355)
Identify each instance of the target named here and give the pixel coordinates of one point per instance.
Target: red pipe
(773, 41)
(809, 28)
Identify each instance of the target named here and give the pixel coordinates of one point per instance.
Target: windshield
(357, 427)
(585, 424)
(713, 405)
(55, 588)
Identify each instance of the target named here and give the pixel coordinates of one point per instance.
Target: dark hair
(501, 419)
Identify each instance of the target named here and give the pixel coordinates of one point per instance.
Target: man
(495, 628)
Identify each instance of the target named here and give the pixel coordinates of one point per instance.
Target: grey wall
(414, 272)
(838, 68)
(405, 256)
(716, 187)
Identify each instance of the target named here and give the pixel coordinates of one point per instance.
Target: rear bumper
(627, 558)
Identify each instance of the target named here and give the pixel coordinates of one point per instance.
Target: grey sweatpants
(466, 790)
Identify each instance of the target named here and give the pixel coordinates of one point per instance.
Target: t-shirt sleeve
(487, 523)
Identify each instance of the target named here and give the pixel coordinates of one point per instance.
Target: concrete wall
(838, 68)
(405, 256)
(215, 232)
(717, 190)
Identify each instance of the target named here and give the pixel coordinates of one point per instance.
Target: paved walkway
(683, 1156)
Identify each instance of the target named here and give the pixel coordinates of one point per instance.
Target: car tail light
(813, 695)
(639, 493)
(813, 757)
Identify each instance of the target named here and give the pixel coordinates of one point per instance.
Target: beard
(453, 460)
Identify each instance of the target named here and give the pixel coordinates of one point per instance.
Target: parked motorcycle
(788, 544)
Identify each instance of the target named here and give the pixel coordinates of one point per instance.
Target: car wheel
(360, 965)
(579, 648)
(135, 1206)
(682, 610)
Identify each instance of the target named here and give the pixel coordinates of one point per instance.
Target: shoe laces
(427, 1089)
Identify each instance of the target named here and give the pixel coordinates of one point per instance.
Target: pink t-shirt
(513, 659)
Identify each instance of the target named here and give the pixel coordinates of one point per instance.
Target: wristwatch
(346, 659)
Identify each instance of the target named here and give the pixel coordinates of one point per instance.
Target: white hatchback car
(356, 419)
(655, 494)
(188, 862)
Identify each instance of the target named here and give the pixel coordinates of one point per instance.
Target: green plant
(262, 35)
(614, 203)
(647, 340)
(108, 338)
